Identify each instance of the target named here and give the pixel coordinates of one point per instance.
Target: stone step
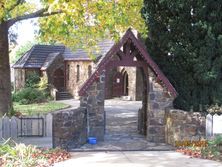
(63, 95)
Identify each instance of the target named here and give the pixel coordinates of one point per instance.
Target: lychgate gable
(127, 57)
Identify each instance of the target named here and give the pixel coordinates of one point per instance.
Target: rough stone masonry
(69, 128)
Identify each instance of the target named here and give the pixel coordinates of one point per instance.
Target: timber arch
(158, 93)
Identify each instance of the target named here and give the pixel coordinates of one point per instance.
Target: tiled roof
(38, 55)
(80, 54)
(21, 62)
(49, 60)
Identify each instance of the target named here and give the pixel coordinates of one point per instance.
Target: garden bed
(212, 150)
(13, 155)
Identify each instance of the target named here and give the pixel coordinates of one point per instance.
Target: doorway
(126, 83)
(58, 79)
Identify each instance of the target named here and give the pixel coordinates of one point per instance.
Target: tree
(19, 52)
(185, 39)
(70, 22)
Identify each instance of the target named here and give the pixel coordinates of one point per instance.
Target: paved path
(121, 129)
(135, 159)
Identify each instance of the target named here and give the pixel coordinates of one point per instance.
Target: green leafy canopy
(83, 22)
(77, 22)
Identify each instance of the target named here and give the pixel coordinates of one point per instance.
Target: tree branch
(40, 13)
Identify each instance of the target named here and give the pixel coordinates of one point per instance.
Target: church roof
(49, 60)
(39, 55)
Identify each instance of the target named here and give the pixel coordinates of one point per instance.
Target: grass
(38, 108)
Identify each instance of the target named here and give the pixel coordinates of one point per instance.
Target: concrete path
(121, 130)
(135, 159)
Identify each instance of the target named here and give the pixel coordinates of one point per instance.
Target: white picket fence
(39, 125)
(213, 125)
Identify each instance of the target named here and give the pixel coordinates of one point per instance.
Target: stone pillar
(142, 113)
(139, 85)
(94, 103)
(158, 100)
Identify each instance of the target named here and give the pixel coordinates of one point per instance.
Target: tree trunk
(5, 82)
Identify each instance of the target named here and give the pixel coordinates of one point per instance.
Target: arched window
(89, 70)
(78, 73)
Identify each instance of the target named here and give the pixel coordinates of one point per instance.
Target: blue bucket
(91, 140)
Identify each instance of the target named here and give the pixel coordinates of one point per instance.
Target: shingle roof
(80, 54)
(21, 62)
(49, 60)
(37, 56)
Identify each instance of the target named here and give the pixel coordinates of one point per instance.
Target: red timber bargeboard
(126, 59)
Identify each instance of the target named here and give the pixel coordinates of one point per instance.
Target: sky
(25, 29)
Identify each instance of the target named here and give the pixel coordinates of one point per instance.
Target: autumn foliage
(13, 155)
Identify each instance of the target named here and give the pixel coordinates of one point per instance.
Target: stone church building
(67, 70)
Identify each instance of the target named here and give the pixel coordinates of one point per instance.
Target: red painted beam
(127, 61)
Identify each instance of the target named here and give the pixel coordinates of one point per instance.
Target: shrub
(213, 148)
(11, 112)
(43, 86)
(29, 95)
(20, 155)
(32, 80)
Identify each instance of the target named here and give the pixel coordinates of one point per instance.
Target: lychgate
(157, 92)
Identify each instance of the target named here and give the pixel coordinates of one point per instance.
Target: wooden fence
(213, 125)
(41, 125)
(14, 127)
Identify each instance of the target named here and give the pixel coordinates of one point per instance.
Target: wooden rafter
(126, 60)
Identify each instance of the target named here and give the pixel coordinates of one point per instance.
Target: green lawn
(38, 108)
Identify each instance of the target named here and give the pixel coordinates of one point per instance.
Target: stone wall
(69, 128)
(32, 71)
(19, 78)
(94, 102)
(21, 75)
(184, 126)
(72, 84)
(158, 100)
(139, 85)
(58, 63)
